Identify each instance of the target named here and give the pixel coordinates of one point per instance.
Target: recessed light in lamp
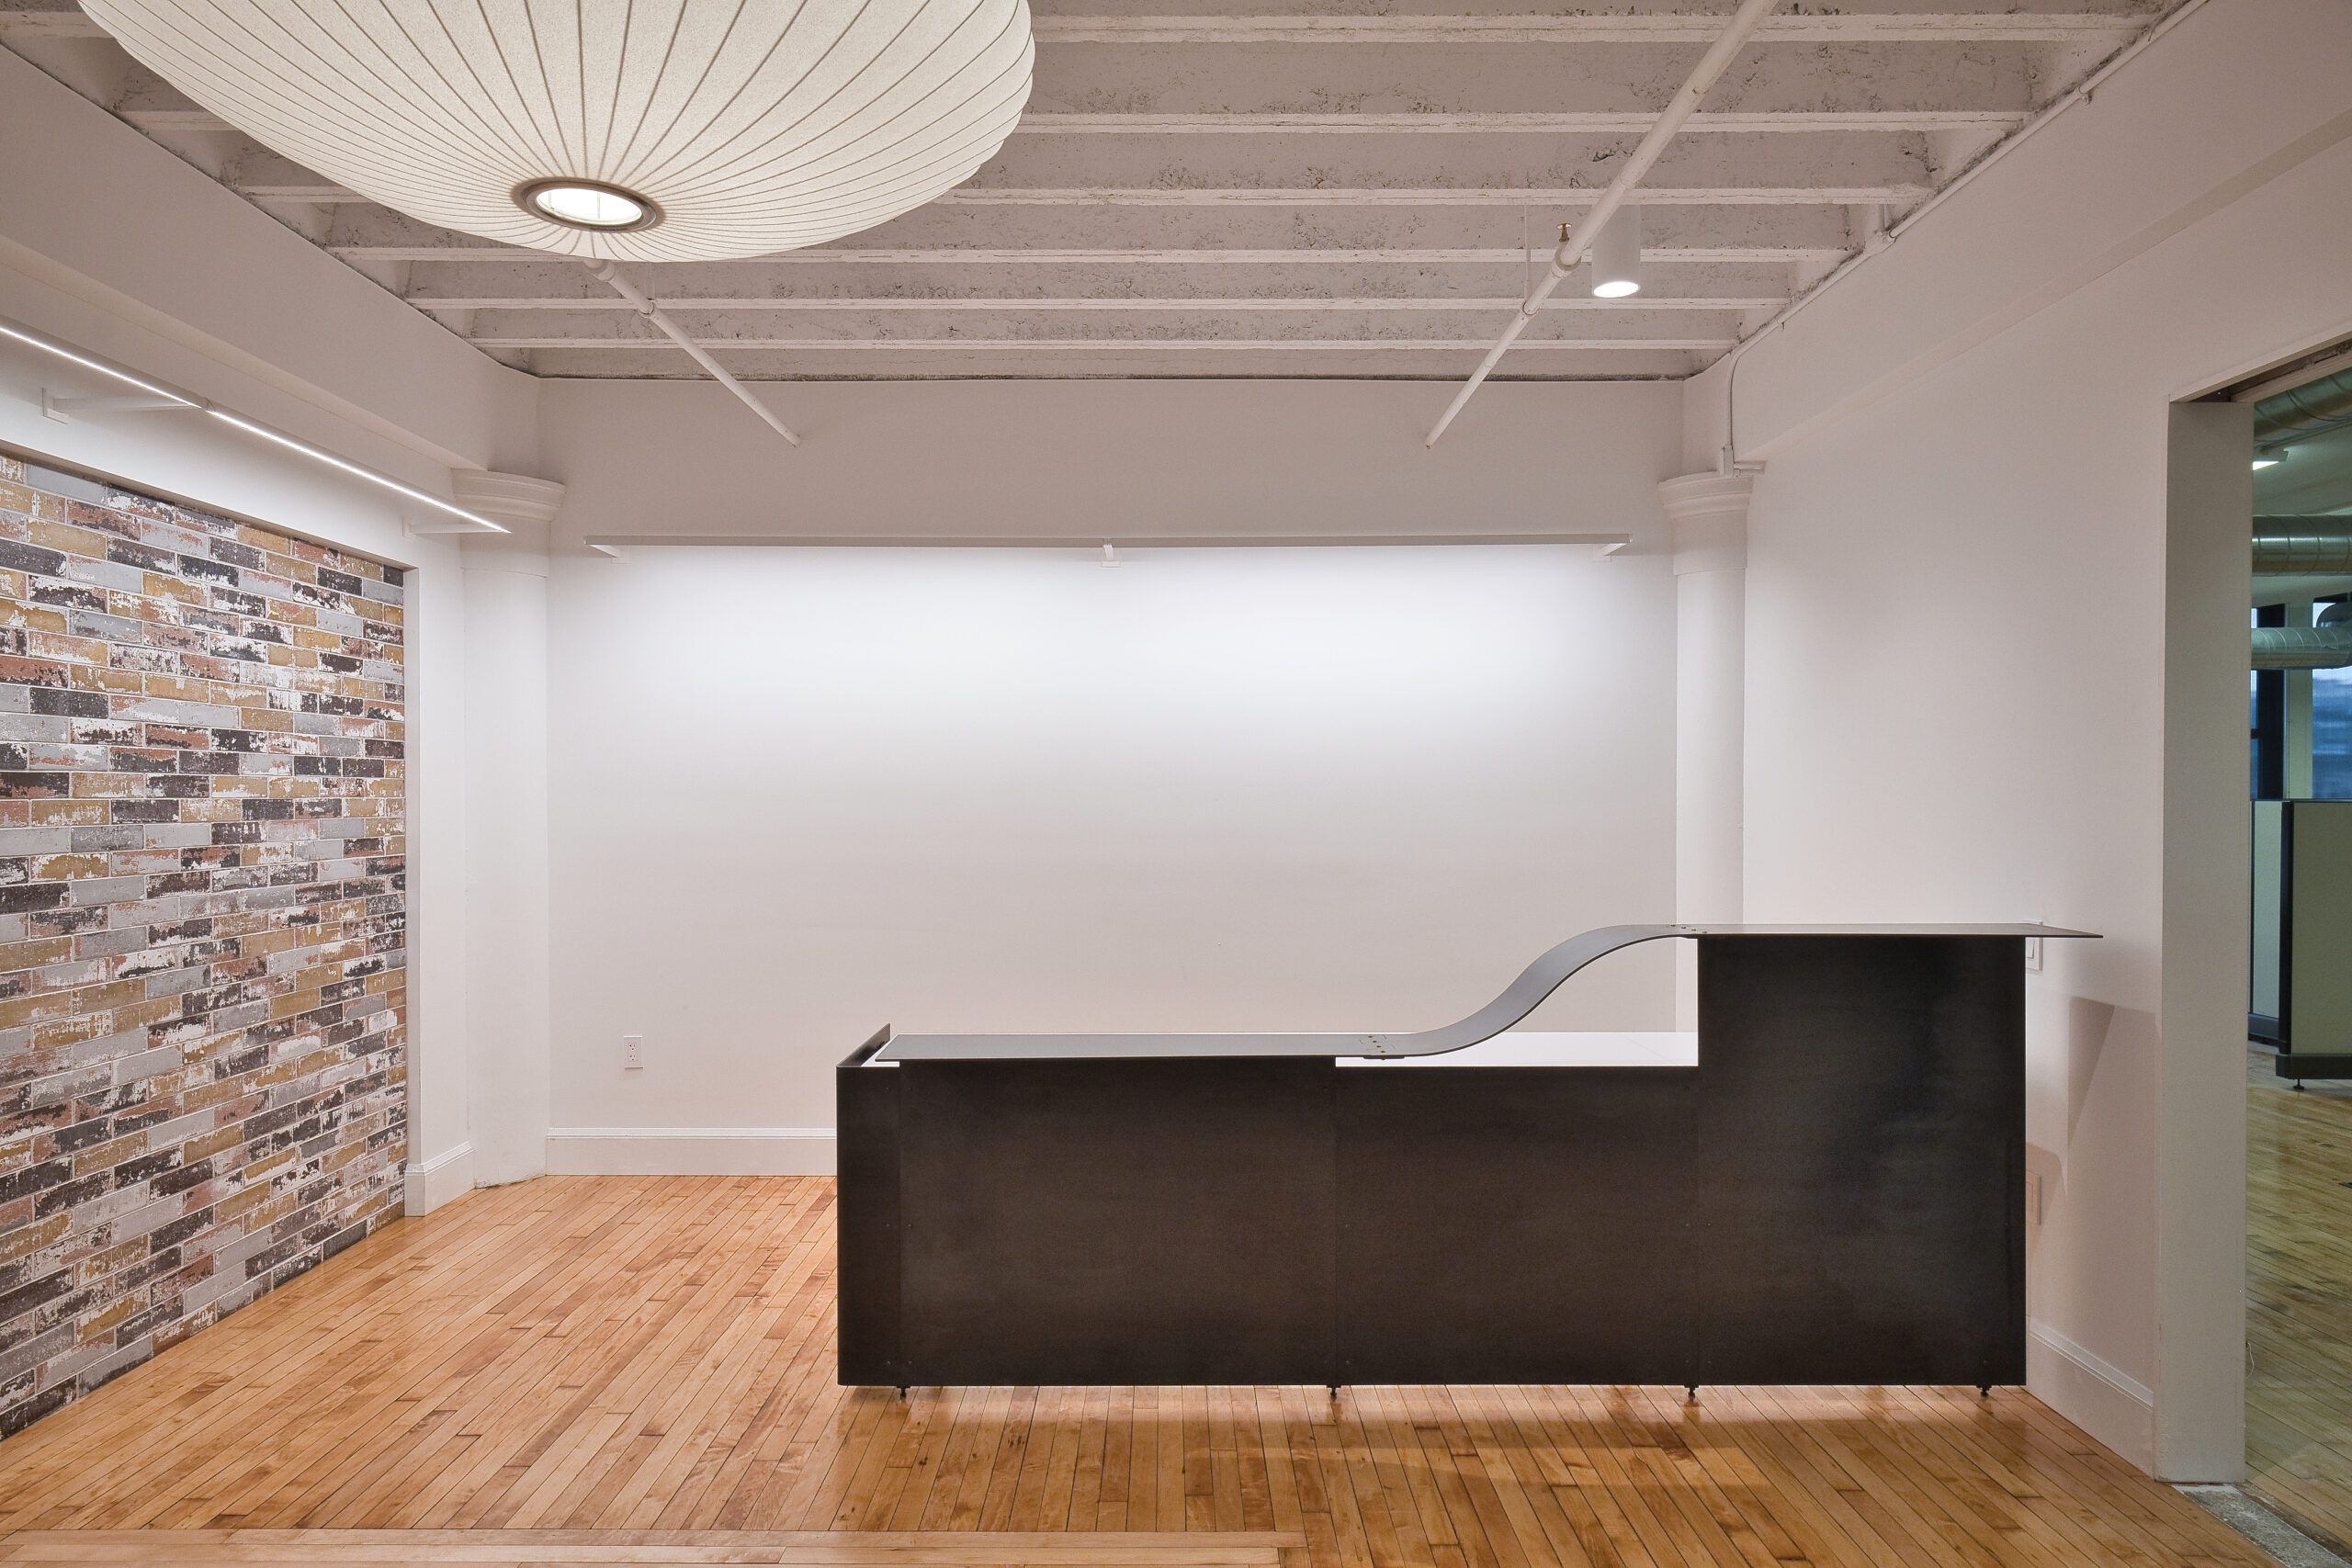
(588, 203)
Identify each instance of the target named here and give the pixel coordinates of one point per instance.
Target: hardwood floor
(615, 1354)
(2298, 1300)
(583, 1549)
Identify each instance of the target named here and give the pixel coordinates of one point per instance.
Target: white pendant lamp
(1617, 256)
(626, 129)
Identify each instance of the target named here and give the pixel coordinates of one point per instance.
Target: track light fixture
(157, 399)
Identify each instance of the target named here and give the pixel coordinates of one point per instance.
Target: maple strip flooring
(631, 1354)
(2298, 1300)
(594, 1549)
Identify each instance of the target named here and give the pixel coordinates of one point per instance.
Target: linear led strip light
(158, 399)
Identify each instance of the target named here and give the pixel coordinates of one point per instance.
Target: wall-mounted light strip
(1604, 545)
(165, 400)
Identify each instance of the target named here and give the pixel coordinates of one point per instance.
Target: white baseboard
(690, 1151)
(2103, 1400)
(432, 1182)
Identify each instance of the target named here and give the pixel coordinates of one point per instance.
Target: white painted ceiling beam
(1607, 93)
(1007, 304)
(1594, 122)
(1101, 345)
(1889, 27)
(1486, 163)
(1310, 196)
(1011, 231)
(956, 362)
(19, 23)
(981, 255)
(1415, 78)
(1423, 195)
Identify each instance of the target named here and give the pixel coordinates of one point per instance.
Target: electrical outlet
(632, 1051)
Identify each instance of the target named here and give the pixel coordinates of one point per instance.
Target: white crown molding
(1708, 513)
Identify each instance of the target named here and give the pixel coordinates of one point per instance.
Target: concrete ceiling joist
(1305, 195)
(1120, 344)
(1003, 303)
(981, 255)
(1590, 122)
(1304, 157)
(1890, 27)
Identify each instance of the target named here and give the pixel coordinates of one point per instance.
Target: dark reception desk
(1834, 1194)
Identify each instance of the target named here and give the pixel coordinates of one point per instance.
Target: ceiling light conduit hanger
(1685, 102)
(670, 328)
(153, 397)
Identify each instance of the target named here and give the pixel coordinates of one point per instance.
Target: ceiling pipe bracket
(605, 271)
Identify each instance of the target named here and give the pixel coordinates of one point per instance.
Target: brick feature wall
(203, 901)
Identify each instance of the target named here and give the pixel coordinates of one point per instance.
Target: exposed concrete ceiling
(1275, 189)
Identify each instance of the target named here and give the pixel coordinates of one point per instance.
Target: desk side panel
(866, 1221)
(1861, 1131)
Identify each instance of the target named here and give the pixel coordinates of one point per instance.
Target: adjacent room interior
(1272, 786)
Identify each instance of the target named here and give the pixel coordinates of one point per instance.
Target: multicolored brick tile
(203, 910)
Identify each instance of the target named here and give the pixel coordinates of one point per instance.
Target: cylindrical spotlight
(1617, 256)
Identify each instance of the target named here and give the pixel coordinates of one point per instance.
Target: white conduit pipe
(1711, 65)
(675, 333)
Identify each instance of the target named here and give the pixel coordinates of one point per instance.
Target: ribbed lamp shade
(740, 127)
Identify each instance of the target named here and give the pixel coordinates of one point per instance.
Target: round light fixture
(668, 130)
(1615, 288)
(588, 203)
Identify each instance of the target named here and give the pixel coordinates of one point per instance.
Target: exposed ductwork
(2302, 648)
(2323, 404)
(2285, 546)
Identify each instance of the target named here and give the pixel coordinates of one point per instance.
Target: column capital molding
(1708, 514)
(525, 504)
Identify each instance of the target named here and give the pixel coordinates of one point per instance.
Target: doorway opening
(2299, 1004)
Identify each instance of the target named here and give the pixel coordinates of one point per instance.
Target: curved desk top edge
(1521, 997)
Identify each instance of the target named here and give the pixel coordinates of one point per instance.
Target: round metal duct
(2282, 555)
(2302, 648)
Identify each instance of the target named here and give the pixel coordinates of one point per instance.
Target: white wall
(800, 793)
(1093, 461)
(1957, 643)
